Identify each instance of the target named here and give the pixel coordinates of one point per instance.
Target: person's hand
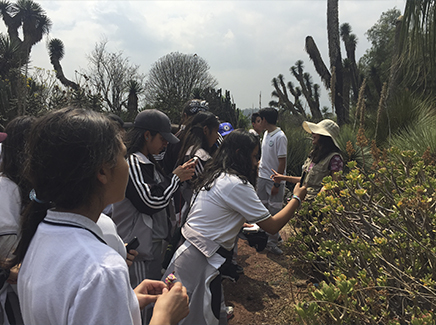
(131, 254)
(276, 177)
(148, 291)
(13, 275)
(191, 163)
(274, 190)
(300, 191)
(172, 306)
(186, 171)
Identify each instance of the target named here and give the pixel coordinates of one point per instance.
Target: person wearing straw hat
(325, 158)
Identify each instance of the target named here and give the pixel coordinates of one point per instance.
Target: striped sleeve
(146, 196)
(199, 167)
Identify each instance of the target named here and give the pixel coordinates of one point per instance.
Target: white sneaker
(274, 249)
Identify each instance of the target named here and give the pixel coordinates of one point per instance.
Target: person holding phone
(325, 158)
(146, 209)
(197, 143)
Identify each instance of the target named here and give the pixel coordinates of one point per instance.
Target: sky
(246, 43)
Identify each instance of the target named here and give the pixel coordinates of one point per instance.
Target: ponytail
(32, 216)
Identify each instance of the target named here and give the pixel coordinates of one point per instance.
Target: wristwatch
(277, 185)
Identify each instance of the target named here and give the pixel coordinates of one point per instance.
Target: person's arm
(186, 171)
(280, 170)
(150, 198)
(276, 222)
(104, 296)
(276, 177)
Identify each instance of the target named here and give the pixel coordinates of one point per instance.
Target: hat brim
(171, 138)
(310, 127)
(3, 136)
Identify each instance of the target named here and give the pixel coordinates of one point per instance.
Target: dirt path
(267, 290)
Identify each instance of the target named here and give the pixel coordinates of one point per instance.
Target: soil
(269, 287)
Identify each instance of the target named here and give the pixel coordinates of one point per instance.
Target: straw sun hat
(325, 127)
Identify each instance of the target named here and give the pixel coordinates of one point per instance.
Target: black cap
(154, 120)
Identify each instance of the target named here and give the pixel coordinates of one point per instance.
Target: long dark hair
(323, 148)
(233, 157)
(14, 153)
(66, 149)
(194, 136)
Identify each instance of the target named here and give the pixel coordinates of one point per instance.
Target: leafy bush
(373, 237)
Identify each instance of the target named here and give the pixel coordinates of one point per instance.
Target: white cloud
(246, 43)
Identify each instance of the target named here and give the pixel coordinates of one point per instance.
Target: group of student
(68, 258)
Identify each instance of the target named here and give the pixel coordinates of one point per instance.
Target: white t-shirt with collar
(218, 214)
(70, 276)
(274, 146)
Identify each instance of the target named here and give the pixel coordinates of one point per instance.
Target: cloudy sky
(246, 43)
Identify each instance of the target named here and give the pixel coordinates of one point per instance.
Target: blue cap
(225, 128)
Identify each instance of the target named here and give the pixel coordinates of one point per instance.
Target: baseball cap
(225, 128)
(154, 120)
(3, 136)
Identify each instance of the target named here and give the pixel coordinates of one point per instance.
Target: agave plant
(419, 136)
(405, 112)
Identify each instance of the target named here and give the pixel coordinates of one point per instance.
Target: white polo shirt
(70, 276)
(274, 146)
(218, 214)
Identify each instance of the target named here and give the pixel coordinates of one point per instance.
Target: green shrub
(373, 235)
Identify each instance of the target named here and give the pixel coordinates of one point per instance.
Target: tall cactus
(336, 63)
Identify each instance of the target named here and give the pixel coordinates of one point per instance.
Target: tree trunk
(60, 75)
(395, 65)
(335, 58)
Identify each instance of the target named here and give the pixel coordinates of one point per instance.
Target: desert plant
(372, 234)
(421, 134)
